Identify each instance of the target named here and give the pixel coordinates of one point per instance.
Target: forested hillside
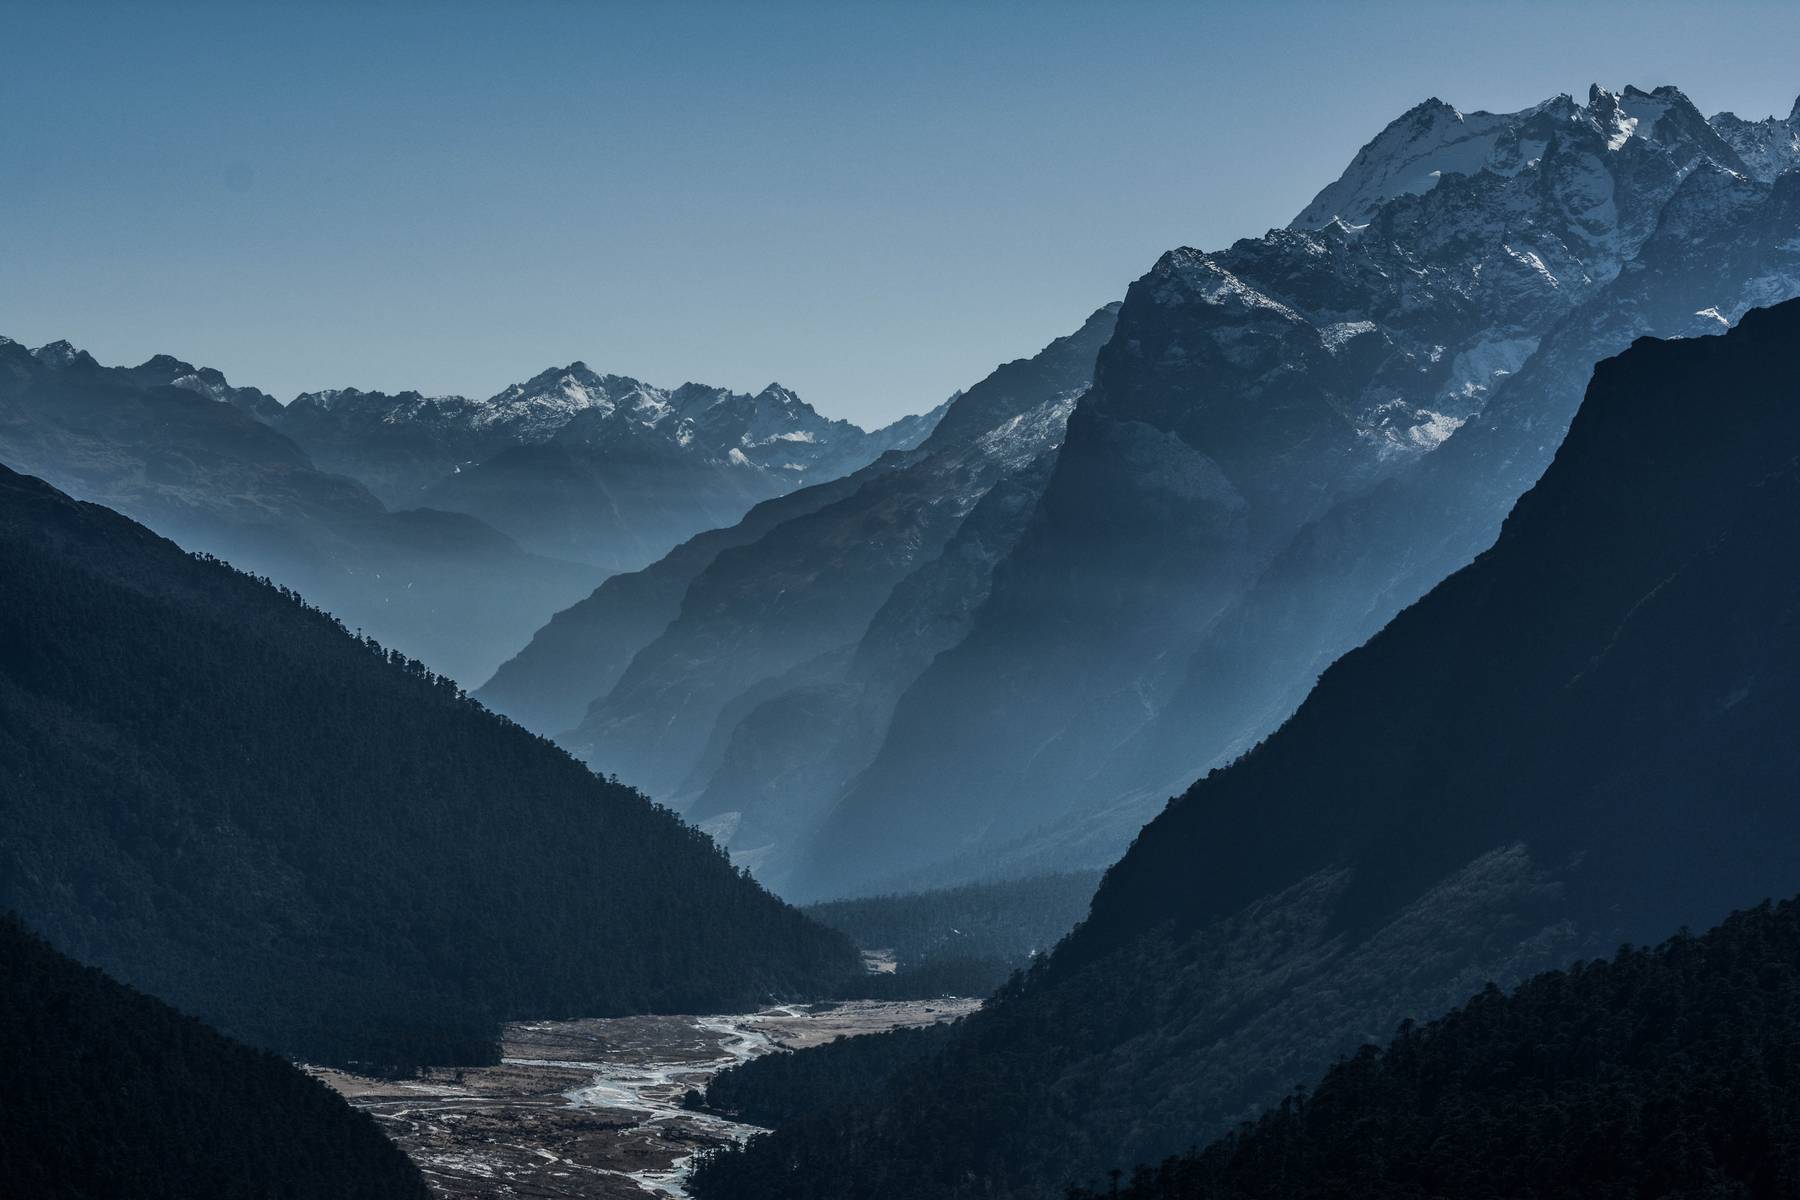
(1583, 738)
(839, 1075)
(219, 796)
(112, 1094)
(1011, 919)
(1668, 1072)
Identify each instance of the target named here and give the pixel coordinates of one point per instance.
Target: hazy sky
(871, 204)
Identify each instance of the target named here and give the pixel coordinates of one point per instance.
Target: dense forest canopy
(848, 1071)
(1010, 920)
(1672, 1072)
(215, 793)
(112, 1094)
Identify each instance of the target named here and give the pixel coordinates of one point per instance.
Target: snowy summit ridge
(1433, 139)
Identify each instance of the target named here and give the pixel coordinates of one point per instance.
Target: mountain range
(1579, 739)
(592, 468)
(446, 527)
(1284, 444)
(1329, 418)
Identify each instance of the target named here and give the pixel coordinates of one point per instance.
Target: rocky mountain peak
(1409, 156)
(691, 398)
(62, 354)
(1433, 140)
(166, 364)
(541, 406)
(1768, 148)
(327, 399)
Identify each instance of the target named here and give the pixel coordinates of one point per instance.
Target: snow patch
(1434, 430)
(1529, 258)
(1334, 336)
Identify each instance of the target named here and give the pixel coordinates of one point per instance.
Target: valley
(593, 1108)
(1272, 738)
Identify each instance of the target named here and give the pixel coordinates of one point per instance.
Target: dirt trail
(592, 1108)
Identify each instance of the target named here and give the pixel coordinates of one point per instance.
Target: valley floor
(592, 1108)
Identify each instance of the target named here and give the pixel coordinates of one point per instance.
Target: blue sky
(872, 204)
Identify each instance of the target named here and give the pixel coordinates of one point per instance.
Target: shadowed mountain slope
(111, 1093)
(1664, 1072)
(216, 794)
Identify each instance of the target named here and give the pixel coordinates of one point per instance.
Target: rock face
(1769, 147)
(156, 442)
(593, 468)
(1286, 443)
(1582, 737)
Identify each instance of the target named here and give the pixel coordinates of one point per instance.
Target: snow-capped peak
(1433, 140)
(60, 354)
(1427, 142)
(776, 394)
(1769, 147)
(327, 399)
(586, 413)
(548, 400)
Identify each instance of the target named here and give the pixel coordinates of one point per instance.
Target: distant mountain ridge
(594, 467)
(182, 450)
(446, 526)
